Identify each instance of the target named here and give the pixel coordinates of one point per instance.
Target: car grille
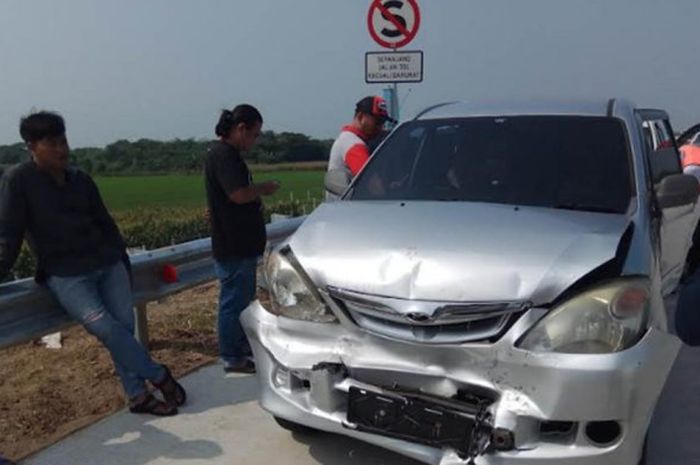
(427, 322)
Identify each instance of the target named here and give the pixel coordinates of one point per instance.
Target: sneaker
(244, 366)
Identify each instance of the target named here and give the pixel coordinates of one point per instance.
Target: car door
(678, 223)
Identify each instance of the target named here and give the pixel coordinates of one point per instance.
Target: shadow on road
(333, 449)
(160, 444)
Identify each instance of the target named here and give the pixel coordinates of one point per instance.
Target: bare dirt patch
(47, 394)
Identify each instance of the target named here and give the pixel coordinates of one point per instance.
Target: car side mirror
(337, 181)
(677, 190)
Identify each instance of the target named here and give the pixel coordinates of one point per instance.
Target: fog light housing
(280, 377)
(603, 433)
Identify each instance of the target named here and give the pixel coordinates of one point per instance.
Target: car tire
(294, 427)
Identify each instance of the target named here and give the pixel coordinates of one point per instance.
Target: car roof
(601, 107)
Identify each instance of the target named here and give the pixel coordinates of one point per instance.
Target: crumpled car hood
(454, 251)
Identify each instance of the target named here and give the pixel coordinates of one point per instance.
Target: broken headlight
(292, 293)
(608, 319)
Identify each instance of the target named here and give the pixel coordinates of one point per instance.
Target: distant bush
(146, 156)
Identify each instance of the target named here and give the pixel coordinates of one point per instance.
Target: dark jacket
(67, 227)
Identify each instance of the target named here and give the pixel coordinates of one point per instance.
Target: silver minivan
(490, 289)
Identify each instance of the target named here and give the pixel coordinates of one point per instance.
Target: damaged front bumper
(441, 404)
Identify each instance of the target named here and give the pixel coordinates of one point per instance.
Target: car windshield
(578, 163)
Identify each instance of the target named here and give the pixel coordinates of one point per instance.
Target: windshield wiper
(586, 208)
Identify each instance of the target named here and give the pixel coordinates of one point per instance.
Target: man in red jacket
(690, 156)
(350, 151)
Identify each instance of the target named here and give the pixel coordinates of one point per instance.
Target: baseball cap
(375, 106)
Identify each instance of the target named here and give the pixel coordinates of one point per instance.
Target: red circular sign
(393, 23)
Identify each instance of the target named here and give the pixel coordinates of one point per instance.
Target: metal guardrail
(28, 311)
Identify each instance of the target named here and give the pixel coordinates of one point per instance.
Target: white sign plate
(387, 67)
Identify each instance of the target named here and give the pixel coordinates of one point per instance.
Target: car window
(648, 138)
(394, 166)
(664, 159)
(664, 138)
(549, 161)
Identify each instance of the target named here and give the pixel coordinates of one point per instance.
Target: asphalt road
(674, 436)
(675, 430)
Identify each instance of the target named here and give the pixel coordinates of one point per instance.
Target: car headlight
(608, 319)
(292, 292)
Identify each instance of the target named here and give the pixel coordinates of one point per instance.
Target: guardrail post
(141, 324)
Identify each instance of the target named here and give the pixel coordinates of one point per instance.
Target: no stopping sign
(393, 23)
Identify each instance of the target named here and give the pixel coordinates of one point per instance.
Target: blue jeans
(101, 301)
(237, 279)
(688, 310)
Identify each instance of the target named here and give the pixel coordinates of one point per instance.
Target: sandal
(150, 404)
(173, 392)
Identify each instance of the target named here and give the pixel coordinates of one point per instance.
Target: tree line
(146, 156)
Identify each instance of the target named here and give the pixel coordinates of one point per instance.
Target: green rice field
(156, 211)
(123, 193)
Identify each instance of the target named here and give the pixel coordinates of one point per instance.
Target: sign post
(393, 24)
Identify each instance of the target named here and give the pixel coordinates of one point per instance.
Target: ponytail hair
(229, 119)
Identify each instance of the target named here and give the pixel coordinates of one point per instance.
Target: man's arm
(356, 158)
(102, 216)
(692, 169)
(231, 175)
(253, 192)
(13, 223)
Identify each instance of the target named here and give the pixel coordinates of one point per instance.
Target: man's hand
(254, 191)
(268, 187)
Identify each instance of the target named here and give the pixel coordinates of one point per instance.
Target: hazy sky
(164, 68)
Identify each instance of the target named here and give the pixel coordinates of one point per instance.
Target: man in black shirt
(80, 255)
(237, 228)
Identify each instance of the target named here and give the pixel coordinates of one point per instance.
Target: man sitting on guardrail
(81, 255)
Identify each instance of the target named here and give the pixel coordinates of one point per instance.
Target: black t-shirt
(237, 230)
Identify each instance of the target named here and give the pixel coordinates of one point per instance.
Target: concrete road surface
(223, 425)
